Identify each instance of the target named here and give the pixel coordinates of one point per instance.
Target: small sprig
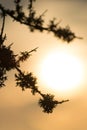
(25, 55)
(48, 103)
(26, 81)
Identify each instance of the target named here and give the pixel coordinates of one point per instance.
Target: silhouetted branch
(36, 23)
(10, 61)
(26, 81)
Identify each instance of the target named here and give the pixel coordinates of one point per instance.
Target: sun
(61, 71)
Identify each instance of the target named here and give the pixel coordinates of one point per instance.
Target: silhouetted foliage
(2, 76)
(48, 103)
(25, 55)
(26, 81)
(7, 58)
(9, 61)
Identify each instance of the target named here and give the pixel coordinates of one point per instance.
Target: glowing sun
(61, 72)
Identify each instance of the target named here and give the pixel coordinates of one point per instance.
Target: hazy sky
(19, 110)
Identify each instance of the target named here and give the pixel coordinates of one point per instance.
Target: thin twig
(62, 101)
(3, 24)
(35, 49)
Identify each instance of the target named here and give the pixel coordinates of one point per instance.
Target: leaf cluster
(26, 81)
(48, 103)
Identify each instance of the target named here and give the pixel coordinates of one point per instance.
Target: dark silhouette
(9, 60)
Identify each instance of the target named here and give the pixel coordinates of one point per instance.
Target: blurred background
(19, 110)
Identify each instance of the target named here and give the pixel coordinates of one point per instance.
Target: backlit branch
(37, 23)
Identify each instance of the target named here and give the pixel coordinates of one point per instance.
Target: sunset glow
(61, 72)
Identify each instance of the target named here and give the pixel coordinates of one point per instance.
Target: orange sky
(19, 110)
